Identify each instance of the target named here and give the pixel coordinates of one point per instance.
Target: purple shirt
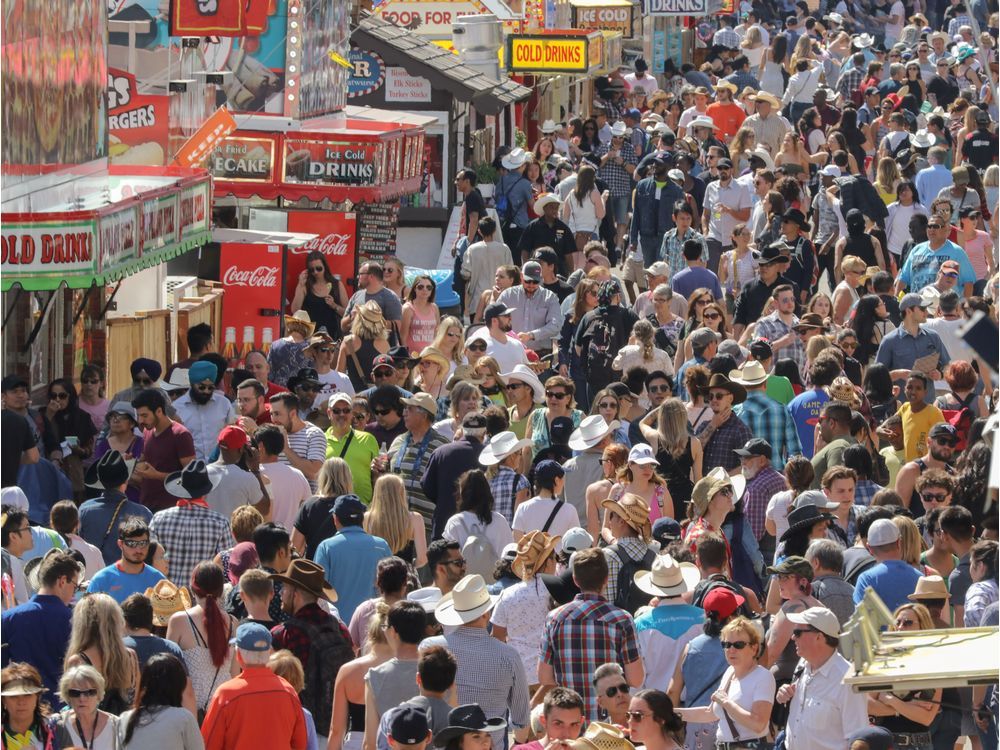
(164, 453)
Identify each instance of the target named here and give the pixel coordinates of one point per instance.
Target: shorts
(634, 272)
(619, 208)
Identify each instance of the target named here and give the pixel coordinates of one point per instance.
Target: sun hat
(923, 139)
(642, 454)
(427, 597)
(168, 598)
(776, 252)
(707, 487)
(764, 96)
(466, 373)
(804, 517)
(842, 390)
(883, 531)
(619, 129)
(435, 355)
(723, 383)
(533, 550)
(795, 216)
(929, 587)
(810, 320)
(192, 481)
(601, 736)
(818, 617)
(544, 200)
(465, 719)
(252, 636)
(178, 380)
(308, 576)
(20, 686)
(592, 430)
(576, 539)
(814, 497)
(524, 374)
(468, 601)
(561, 587)
(724, 84)
(110, 471)
(500, 446)
(752, 373)
(794, 565)
(634, 510)
(300, 320)
(667, 577)
(514, 159)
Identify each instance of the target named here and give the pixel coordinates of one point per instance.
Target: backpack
(961, 418)
(629, 596)
(601, 348)
(329, 650)
(480, 557)
(715, 581)
(744, 573)
(505, 208)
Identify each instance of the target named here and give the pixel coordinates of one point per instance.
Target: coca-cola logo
(332, 244)
(260, 277)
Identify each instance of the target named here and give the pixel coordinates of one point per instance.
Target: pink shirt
(976, 249)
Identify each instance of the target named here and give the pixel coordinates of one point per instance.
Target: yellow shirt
(916, 425)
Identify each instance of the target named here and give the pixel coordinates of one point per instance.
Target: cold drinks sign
(556, 53)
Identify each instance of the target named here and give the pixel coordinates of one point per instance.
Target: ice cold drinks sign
(329, 163)
(548, 54)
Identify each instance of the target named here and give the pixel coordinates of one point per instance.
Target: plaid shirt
(864, 491)
(742, 79)
(619, 181)
(672, 249)
(632, 546)
(766, 484)
(296, 639)
(190, 534)
(726, 37)
(581, 636)
(849, 81)
(613, 111)
(719, 446)
(770, 420)
(772, 328)
(956, 23)
(505, 486)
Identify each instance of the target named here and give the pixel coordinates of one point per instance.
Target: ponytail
(207, 584)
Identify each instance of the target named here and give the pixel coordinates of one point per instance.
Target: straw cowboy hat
(752, 373)
(601, 736)
(841, 389)
(724, 84)
(191, 481)
(372, 313)
(524, 374)
(167, 599)
(436, 355)
(464, 720)
(591, 431)
(767, 98)
(302, 321)
(500, 446)
(544, 200)
(308, 576)
(463, 372)
(710, 484)
(634, 510)
(929, 587)
(468, 601)
(319, 338)
(533, 550)
(667, 577)
(514, 159)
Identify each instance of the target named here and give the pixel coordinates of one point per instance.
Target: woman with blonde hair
(393, 276)
(753, 47)
(432, 372)
(887, 177)
(488, 370)
(912, 616)
(465, 399)
(641, 351)
(450, 341)
(792, 151)
(243, 520)
(845, 295)
(389, 517)
(911, 545)
(613, 458)
(314, 522)
(96, 638)
(639, 477)
(82, 689)
(679, 454)
(745, 140)
(369, 337)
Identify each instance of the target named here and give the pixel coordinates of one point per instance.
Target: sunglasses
(340, 412)
(607, 405)
(951, 442)
(459, 562)
(905, 623)
(308, 387)
(381, 412)
(476, 346)
(204, 388)
(529, 281)
(849, 345)
(86, 693)
(384, 372)
(317, 269)
(553, 394)
(738, 645)
(59, 396)
(514, 386)
(718, 395)
(90, 381)
(658, 388)
(423, 287)
(614, 690)
(636, 716)
(935, 226)
(452, 335)
(135, 543)
(325, 349)
(711, 316)
(934, 497)
(798, 632)
(950, 275)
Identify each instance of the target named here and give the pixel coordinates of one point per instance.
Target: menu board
(377, 229)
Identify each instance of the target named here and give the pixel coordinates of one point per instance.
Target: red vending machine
(251, 274)
(336, 238)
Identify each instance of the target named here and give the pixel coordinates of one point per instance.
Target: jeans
(715, 251)
(650, 246)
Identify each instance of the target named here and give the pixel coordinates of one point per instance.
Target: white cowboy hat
(515, 159)
(526, 375)
(591, 431)
(468, 601)
(660, 128)
(922, 139)
(427, 597)
(177, 381)
(752, 373)
(702, 121)
(764, 96)
(836, 18)
(549, 126)
(652, 117)
(500, 446)
(619, 129)
(761, 153)
(863, 41)
(544, 200)
(667, 577)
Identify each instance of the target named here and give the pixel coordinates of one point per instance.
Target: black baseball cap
(12, 382)
(754, 447)
(761, 349)
(408, 725)
(495, 311)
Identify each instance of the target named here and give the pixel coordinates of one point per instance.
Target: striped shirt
(406, 466)
(308, 443)
(769, 132)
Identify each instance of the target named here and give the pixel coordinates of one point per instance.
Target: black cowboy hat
(804, 517)
(773, 253)
(562, 588)
(465, 719)
(402, 354)
(110, 471)
(721, 381)
(191, 481)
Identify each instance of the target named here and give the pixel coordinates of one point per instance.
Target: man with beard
(652, 211)
(167, 446)
(506, 350)
(305, 444)
(251, 407)
(763, 481)
(727, 203)
(941, 442)
(724, 432)
(204, 411)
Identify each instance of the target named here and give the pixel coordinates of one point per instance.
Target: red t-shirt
(255, 709)
(164, 453)
(727, 118)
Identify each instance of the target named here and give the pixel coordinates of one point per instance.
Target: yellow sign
(549, 54)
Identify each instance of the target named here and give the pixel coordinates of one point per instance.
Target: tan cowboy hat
(167, 599)
(468, 601)
(842, 390)
(634, 510)
(752, 373)
(533, 549)
(764, 96)
(591, 431)
(463, 372)
(707, 487)
(436, 355)
(667, 577)
(371, 312)
(319, 338)
(939, 35)
(601, 736)
(302, 321)
(308, 576)
(724, 84)
(929, 587)
(500, 446)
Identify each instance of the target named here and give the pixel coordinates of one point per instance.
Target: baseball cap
(383, 360)
(724, 163)
(496, 310)
(911, 300)
(251, 636)
(831, 170)
(509, 551)
(633, 114)
(761, 349)
(882, 532)
(754, 447)
(982, 117)
(576, 539)
(943, 429)
(965, 213)
(233, 437)
(702, 337)
(666, 530)
(547, 255)
(722, 601)
(408, 725)
(659, 268)
(820, 617)
(548, 470)
(875, 738)
(532, 271)
(10, 382)
(308, 375)
(349, 508)
(338, 396)
(794, 565)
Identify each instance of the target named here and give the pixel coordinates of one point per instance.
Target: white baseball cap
(882, 532)
(818, 617)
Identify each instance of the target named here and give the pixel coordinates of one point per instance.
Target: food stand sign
(676, 7)
(329, 162)
(56, 248)
(527, 53)
(367, 73)
(428, 18)
(606, 18)
(243, 159)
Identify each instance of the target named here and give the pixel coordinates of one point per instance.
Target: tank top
(654, 505)
(205, 676)
(915, 503)
(355, 717)
(582, 218)
(322, 314)
(862, 247)
(421, 331)
(677, 472)
(702, 670)
(365, 354)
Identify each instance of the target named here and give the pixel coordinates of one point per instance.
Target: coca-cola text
(332, 244)
(261, 277)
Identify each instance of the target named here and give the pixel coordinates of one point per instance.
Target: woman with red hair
(961, 378)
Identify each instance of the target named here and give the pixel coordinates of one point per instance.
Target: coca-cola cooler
(252, 277)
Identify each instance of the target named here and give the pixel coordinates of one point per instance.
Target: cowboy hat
(549, 126)
(401, 355)
(319, 338)
(761, 153)
(601, 736)
(308, 576)
(500, 446)
(619, 129)
(939, 35)
(764, 96)
(702, 121)
(423, 401)
(752, 373)
(463, 372)
(809, 321)
(167, 598)
(300, 320)
(110, 471)
(465, 719)
(371, 312)
(468, 601)
(929, 587)
(514, 159)
(710, 484)
(191, 481)
(634, 510)
(863, 41)
(524, 374)
(533, 550)
(436, 355)
(561, 587)
(591, 431)
(721, 381)
(842, 390)
(544, 200)
(724, 84)
(667, 577)
(921, 139)
(178, 381)
(33, 569)
(804, 517)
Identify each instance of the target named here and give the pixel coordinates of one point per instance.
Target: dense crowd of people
(714, 381)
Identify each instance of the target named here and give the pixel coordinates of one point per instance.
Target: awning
(396, 117)
(421, 57)
(146, 215)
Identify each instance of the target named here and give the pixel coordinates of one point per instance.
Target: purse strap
(552, 516)
(729, 719)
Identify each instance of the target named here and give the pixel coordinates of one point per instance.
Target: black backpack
(715, 581)
(629, 596)
(329, 650)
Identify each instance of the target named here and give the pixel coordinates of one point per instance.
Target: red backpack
(960, 418)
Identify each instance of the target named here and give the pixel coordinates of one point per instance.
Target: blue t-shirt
(893, 581)
(695, 277)
(120, 585)
(349, 559)
(146, 646)
(922, 264)
(805, 409)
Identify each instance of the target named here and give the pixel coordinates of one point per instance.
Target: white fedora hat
(549, 126)
(667, 577)
(527, 376)
(515, 159)
(863, 41)
(500, 446)
(752, 373)
(544, 200)
(591, 431)
(619, 129)
(702, 121)
(468, 601)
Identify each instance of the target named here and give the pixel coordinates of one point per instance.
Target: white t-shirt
(497, 532)
(756, 686)
(333, 382)
(235, 487)
(894, 30)
(532, 515)
(777, 510)
(92, 556)
(288, 489)
(507, 355)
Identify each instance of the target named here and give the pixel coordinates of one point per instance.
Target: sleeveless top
(115, 701)
(702, 670)
(772, 80)
(355, 717)
(677, 472)
(540, 428)
(862, 247)
(365, 354)
(654, 506)
(205, 676)
(322, 314)
(915, 502)
(421, 331)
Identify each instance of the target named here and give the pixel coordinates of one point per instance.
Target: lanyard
(93, 735)
(421, 449)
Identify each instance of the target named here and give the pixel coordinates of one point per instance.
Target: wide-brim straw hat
(468, 601)
(435, 355)
(466, 373)
(667, 577)
(634, 510)
(601, 736)
(592, 430)
(167, 598)
(533, 550)
(500, 446)
(302, 321)
(709, 485)
(842, 390)
(14, 688)
(371, 312)
(768, 98)
(929, 587)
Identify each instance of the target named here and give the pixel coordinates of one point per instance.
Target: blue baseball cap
(251, 636)
(666, 530)
(349, 509)
(633, 114)
(548, 470)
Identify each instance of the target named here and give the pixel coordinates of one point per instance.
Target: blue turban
(202, 370)
(153, 368)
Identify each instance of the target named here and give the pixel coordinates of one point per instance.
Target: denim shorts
(619, 208)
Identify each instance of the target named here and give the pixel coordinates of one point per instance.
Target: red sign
(207, 17)
(337, 238)
(137, 123)
(239, 158)
(40, 248)
(330, 162)
(203, 142)
(251, 276)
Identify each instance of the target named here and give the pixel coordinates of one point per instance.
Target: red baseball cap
(234, 438)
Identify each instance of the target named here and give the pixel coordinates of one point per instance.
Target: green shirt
(832, 454)
(780, 389)
(359, 455)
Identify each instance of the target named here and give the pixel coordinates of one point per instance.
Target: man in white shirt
(203, 410)
(949, 319)
(640, 78)
(824, 711)
(287, 486)
(506, 350)
(233, 485)
(727, 203)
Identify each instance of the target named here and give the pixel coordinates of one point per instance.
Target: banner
(528, 53)
(202, 142)
(207, 17)
(608, 18)
(329, 162)
(244, 159)
(137, 123)
(676, 7)
(337, 238)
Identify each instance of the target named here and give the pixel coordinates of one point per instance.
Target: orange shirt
(255, 709)
(727, 119)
